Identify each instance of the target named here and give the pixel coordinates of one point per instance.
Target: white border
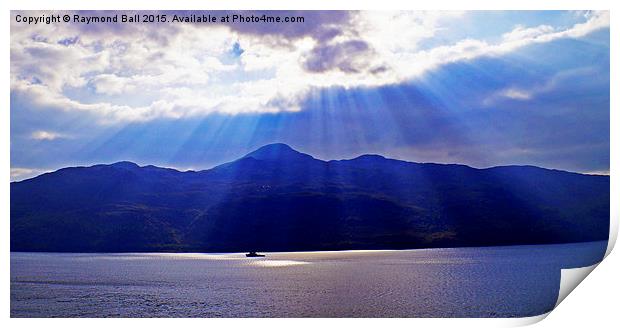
(602, 295)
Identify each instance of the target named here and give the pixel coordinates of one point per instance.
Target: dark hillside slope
(278, 199)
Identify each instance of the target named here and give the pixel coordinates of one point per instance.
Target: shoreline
(316, 251)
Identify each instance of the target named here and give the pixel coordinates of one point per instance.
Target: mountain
(278, 199)
(278, 152)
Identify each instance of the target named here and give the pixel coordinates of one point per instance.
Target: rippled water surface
(462, 282)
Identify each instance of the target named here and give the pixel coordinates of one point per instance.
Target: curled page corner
(525, 321)
(570, 278)
(613, 231)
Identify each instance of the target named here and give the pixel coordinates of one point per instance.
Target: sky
(483, 88)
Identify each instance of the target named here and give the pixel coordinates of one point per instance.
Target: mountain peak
(370, 157)
(277, 151)
(125, 165)
(278, 146)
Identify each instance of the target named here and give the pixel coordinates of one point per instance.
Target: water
(461, 282)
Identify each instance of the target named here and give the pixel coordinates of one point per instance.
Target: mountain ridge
(128, 163)
(278, 199)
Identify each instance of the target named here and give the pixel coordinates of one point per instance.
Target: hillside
(278, 199)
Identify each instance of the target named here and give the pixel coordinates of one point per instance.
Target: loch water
(509, 281)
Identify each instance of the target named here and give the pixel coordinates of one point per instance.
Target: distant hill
(278, 199)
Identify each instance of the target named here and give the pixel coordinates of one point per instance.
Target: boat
(254, 254)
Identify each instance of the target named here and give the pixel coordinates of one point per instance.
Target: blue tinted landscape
(322, 164)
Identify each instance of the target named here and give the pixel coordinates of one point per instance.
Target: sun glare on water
(276, 263)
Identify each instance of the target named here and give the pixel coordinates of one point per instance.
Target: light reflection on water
(465, 282)
(155, 256)
(275, 264)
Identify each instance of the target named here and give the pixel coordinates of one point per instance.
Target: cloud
(516, 94)
(21, 173)
(597, 172)
(520, 33)
(46, 135)
(348, 57)
(111, 84)
(529, 92)
(141, 72)
(319, 25)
